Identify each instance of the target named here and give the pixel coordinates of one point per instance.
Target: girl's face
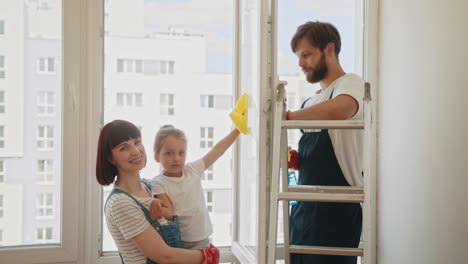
(172, 156)
(129, 156)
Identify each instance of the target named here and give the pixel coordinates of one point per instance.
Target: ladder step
(335, 251)
(321, 197)
(319, 124)
(325, 189)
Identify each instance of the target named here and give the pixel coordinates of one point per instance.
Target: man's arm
(341, 107)
(220, 147)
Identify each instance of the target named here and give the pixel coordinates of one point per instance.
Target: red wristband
(288, 115)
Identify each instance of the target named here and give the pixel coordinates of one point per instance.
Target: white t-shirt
(347, 143)
(125, 220)
(187, 199)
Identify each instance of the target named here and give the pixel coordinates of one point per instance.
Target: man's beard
(319, 72)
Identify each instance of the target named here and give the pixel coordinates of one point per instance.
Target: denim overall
(169, 233)
(320, 223)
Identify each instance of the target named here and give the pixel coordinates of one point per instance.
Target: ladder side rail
(326, 189)
(370, 202)
(284, 187)
(274, 178)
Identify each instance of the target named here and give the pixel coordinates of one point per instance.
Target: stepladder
(282, 192)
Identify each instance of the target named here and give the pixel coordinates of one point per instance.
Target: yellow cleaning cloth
(239, 114)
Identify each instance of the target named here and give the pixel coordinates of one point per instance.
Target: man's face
(312, 61)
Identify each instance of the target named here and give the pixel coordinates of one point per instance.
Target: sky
(214, 18)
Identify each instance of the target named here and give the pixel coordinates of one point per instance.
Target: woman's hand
(210, 255)
(156, 208)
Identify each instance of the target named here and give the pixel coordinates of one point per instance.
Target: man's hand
(156, 208)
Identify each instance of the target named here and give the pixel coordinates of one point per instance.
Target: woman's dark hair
(318, 34)
(112, 134)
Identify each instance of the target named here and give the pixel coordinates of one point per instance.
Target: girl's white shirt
(188, 201)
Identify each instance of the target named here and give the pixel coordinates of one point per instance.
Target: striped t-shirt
(125, 220)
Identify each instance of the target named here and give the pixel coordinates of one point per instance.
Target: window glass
(170, 59)
(31, 121)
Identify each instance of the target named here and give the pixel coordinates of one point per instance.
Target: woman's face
(129, 156)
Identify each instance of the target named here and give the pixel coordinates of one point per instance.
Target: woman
(120, 157)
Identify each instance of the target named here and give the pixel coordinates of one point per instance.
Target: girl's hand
(156, 208)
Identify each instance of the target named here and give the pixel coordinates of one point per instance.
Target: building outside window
(45, 103)
(45, 138)
(1, 206)
(2, 171)
(44, 235)
(209, 174)
(206, 137)
(46, 65)
(209, 201)
(207, 101)
(2, 67)
(45, 205)
(129, 99)
(2, 136)
(129, 66)
(45, 171)
(2, 102)
(167, 104)
(1, 237)
(2, 27)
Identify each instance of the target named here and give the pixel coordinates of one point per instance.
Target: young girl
(179, 184)
(120, 157)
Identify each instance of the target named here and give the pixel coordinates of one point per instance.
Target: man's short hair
(318, 34)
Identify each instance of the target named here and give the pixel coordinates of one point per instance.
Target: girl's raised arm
(220, 147)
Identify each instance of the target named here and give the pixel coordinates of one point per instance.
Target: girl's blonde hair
(163, 133)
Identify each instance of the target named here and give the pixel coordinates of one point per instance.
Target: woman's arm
(220, 147)
(153, 246)
(168, 211)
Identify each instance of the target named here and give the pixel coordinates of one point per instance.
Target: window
(46, 65)
(2, 171)
(1, 237)
(208, 175)
(209, 201)
(45, 138)
(1, 206)
(2, 136)
(45, 205)
(129, 99)
(2, 27)
(44, 235)
(207, 101)
(167, 104)
(2, 102)
(45, 171)
(129, 65)
(2, 67)
(206, 137)
(45, 103)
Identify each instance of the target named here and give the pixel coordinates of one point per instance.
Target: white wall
(423, 132)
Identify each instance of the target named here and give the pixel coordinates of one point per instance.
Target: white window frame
(76, 57)
(45, 139)
(46, 104)
(266, 96)
(124, 99)
(44, 63)
(166, 107)
(43, 232)
(45, 171)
